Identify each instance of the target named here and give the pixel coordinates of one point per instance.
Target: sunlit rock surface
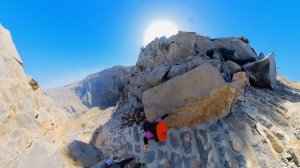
(33, 130)
(192, 98)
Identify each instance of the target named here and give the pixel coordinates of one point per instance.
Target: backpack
(162, 131)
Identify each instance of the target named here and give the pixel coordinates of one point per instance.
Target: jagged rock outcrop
(102, 89)
(33, 130)
(163, 55)
(170, 50)
(262, 73)
(170, 57)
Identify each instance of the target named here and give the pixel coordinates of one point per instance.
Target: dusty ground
(88, 123)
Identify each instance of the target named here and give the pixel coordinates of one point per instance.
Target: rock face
(102, 89)
(262, 73)
(189, 99)
(32, 129)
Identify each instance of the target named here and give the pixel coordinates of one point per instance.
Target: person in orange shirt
(157, 131)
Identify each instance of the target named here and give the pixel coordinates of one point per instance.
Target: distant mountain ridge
(102, 89)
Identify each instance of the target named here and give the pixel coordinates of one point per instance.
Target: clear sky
(62, 41)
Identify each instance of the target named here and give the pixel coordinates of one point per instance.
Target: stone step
(189, 147)
(183, 149)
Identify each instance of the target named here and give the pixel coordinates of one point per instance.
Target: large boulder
(231, 67)
(156, 76)
(235, 50)
(262, 73)
(177, 70)
(194, 97)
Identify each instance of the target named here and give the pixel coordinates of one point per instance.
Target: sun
(159, 29)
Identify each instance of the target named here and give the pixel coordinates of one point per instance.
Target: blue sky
(62, 41)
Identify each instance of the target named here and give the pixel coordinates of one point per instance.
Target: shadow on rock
(95, 135)
(84, 154)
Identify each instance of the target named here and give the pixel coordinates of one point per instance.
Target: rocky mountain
(102, 89)
(227, 108)
(33, 130)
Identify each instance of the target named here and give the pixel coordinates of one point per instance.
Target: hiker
(224, 73)
(155, 130)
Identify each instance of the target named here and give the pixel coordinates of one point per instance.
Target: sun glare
(159, 29)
